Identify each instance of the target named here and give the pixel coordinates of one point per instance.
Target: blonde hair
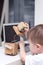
(35, 34)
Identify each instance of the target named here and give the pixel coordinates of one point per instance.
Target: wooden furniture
(11, 48)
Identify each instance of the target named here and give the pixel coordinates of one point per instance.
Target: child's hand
(18, 28)
(26, 28)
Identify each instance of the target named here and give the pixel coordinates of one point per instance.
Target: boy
(35, 39)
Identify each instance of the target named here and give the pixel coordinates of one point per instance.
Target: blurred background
(21, 10)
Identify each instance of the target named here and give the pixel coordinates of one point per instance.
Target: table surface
(6, 59)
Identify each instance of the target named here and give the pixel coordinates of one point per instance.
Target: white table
(9, 60)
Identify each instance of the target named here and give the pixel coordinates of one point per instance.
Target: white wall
(38, 12)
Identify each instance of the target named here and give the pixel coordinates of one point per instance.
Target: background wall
(38, 12)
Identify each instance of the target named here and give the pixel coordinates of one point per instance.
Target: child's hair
(35, 34)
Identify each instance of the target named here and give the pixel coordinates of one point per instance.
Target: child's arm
(22, 51)
(21, 44)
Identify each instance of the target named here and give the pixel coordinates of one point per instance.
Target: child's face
(33, 48)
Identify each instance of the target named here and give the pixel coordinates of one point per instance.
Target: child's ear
(38, 45)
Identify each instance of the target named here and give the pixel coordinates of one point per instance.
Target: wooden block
(11, 48)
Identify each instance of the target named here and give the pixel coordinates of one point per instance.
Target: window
(21, 10)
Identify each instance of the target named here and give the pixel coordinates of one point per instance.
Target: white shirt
(34, 59)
